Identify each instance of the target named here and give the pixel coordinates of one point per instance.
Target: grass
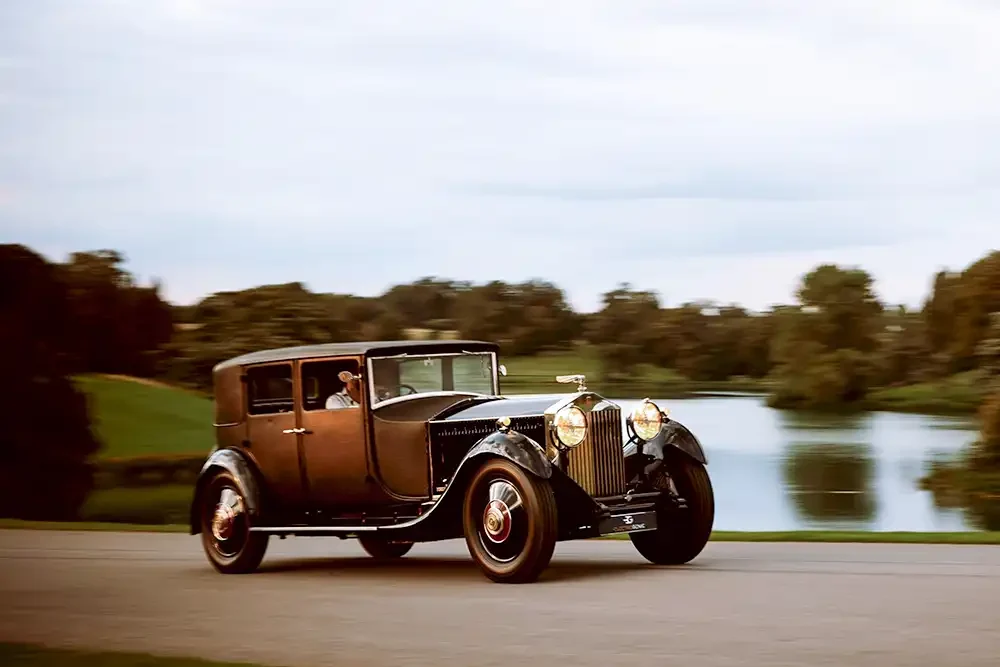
(536, 374)
(157, 505)
(134, 417)
(26, 655)
(959, 394)
(903, 537)
(92, 526)
(971, 537)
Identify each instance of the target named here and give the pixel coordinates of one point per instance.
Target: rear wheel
(510, 522)
(682, 533)
(225, 528)
(383, 549)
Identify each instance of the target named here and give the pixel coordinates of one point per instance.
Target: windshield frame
(370, 368)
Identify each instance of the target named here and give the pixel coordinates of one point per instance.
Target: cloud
(679, 145)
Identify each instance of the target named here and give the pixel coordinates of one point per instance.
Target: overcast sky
(705, 149)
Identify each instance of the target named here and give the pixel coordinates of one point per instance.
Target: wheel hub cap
(497, 521)
(222, 522)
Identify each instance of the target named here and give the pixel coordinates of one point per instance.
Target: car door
(273, 433)
(334, 445)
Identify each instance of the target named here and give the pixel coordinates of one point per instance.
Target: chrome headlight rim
(645, 429)
(569, 416)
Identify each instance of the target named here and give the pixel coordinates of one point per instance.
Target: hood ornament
(579, 379)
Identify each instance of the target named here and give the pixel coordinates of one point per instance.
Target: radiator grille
(598, 463)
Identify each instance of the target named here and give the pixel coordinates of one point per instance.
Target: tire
(682, 533)
(383, 549)
(230, 546)
(524, 523)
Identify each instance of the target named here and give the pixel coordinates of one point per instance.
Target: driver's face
(354, 390)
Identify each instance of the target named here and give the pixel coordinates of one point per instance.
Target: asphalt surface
(321, 601)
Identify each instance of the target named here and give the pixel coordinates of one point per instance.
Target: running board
(330, 531)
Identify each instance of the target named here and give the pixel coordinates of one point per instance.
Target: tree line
(830, 346)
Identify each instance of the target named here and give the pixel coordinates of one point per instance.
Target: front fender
(515, 447)
(235, 464)
(673, 435)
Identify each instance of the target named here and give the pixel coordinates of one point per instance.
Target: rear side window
(269, 390)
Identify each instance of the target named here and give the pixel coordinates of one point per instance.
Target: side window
(323, 390)
(269, 390)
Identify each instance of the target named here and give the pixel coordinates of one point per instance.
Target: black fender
(236, 464)
(444, 519)
(673, 436)
(513, 446)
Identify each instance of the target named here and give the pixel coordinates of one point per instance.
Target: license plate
(629, 522)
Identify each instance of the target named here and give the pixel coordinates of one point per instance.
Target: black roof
(384, 347)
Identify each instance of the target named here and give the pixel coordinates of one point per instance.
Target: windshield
(418, 374)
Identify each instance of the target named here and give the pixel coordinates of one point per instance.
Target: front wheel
(225, 528)
(510, 522)
(682, 533)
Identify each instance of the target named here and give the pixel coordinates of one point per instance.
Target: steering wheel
(383, 393)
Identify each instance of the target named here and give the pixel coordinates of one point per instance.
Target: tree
(822, 348)
(119, 325)
(625, 331)
(46, 449)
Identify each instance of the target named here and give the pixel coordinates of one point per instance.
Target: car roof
(354, 349)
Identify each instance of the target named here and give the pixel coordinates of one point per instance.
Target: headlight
(646, 420)
(571, 426)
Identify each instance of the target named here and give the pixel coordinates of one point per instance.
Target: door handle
(294, 430)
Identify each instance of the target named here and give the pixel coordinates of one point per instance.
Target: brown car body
(403, 465)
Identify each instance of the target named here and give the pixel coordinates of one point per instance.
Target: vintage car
(398, 442)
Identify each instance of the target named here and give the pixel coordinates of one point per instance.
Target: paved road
(321, 601)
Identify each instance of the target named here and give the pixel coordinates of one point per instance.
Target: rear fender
(236, 464)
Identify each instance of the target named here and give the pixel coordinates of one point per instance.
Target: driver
(348, 397)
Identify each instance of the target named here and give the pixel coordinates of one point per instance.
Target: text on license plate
(625, 522)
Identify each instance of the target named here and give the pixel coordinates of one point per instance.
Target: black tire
(524, 525)
(682, 533)
(237, 551)
(383, 549)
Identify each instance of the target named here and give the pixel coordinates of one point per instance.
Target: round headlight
(571, 426)
(646, 420)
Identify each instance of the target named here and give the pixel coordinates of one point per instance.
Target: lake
(782, 470)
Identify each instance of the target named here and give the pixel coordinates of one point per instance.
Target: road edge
(900, 537)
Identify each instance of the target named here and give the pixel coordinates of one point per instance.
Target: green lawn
(132, 418)
(959, 394)
(26, 655)
(545, 367)
(537, 374)
(157, 505)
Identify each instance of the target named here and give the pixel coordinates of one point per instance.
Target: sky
(704, 149)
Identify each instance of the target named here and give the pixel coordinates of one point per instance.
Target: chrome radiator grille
(598, 463)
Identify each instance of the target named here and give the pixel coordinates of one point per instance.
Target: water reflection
(777, 470)
(832, 485)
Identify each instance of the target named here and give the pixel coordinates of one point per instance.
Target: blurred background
(780, 222)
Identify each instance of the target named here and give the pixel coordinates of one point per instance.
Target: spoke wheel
(225, 528)
(510, 522)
